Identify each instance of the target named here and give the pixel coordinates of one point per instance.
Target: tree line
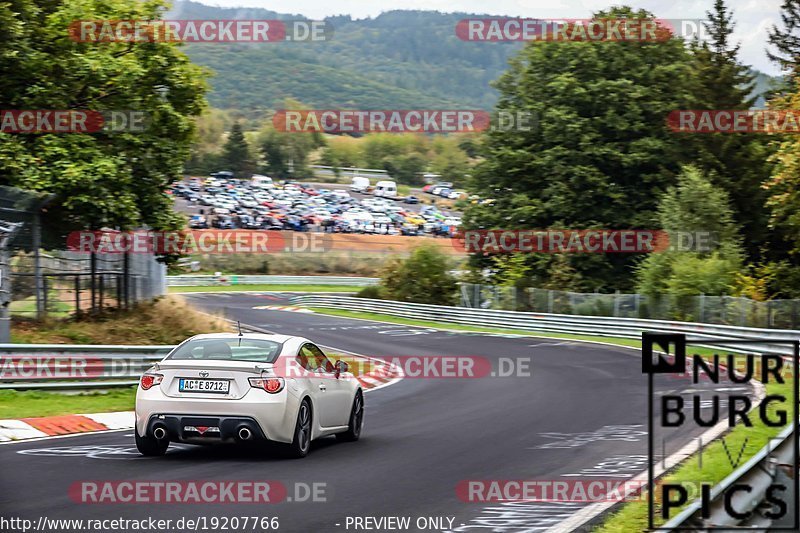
(602, 156)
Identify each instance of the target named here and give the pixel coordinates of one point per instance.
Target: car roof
(256, 336)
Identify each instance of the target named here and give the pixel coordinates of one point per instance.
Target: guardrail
(74, 366)
(573, 324)
(236, 279)
(768, 466)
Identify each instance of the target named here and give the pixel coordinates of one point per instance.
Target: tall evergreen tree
(786, 40)
(236, 153)
(735, 163)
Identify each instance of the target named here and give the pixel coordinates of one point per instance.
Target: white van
(262, 182)
(386, 189)
(360, 184)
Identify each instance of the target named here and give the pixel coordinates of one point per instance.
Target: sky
(753, 17)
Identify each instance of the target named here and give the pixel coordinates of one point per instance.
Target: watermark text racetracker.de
(197, 241)
(200, 31)
(499, 241)
(208, 492)
(734, 121)
(72, 121)
(420, 367)
(59, 366)
(335, 121)
(634, 29)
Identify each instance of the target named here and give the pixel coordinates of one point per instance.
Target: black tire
(302, 432)
(356, 420)
(150, 446)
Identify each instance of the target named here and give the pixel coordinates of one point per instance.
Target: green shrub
(373, 291)
(422, 278)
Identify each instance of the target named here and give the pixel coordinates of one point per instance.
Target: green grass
(267, 288)
(24, 404)
(632, 516)
(27, 307)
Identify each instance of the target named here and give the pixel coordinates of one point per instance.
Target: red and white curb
(50, 426)
(383, 375)
(291, 308)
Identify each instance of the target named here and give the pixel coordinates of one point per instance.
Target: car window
(322, 360)
(228, 349)
(308, 358)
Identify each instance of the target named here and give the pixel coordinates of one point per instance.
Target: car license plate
(221, 386)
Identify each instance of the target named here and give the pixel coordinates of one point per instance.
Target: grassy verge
(267, 288)
(478, 329)
(169, 320)
(632, 516)
(27, 307)
(24, 404)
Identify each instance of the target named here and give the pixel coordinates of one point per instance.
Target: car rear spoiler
(238, 366)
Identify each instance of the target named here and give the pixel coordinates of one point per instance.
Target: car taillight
(148, 380)
(271, 385)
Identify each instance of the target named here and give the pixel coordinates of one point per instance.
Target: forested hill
(400, 59)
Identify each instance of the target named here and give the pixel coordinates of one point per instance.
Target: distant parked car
(198, 222)
(248, 222)
(411, 200)
(223, 222)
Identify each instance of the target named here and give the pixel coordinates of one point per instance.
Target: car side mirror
(340, 367)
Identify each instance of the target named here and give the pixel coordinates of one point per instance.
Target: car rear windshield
(228, 349)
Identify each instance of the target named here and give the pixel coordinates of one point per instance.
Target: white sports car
(225, 387)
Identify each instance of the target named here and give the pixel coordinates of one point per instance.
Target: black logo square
(671, 344)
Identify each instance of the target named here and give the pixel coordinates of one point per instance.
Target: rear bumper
(272, 416)
(206, 428)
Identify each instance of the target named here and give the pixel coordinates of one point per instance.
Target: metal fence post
(770, 316)
(742, 312)
(36, 237)
(119, 291)
(126, 275)
(44, 295)
(92, 280)
(701, 302)
(77, 295)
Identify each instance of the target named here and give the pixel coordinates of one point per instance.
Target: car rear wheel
(151, 446)
(356, 420)
(302, 432)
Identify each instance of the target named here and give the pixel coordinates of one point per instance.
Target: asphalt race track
(582, 410)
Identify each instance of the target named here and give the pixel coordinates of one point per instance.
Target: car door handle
(323, 388)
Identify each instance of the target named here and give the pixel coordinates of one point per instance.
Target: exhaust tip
(160, 433)
(245, 434)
